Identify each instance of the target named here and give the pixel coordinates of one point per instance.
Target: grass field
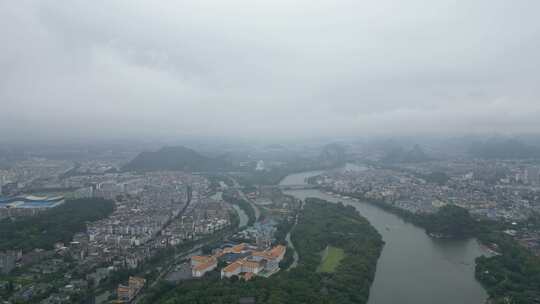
(331, 258)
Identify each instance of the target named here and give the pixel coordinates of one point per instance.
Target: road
(166, 270)
(178, 257)
(289, 241)
(171, 262)
(295, 253)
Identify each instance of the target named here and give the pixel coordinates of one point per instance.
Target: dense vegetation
(281, 231)
(449, 222)
(175, 158)
(58, 224)
(320, 224)
(513, 276)
(231, 199)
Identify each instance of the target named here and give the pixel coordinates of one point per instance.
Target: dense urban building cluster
(242, 260)
(152, 212)
(33, 173)
(252, 250)
(506, 191)
(496, 189)
(194, 227)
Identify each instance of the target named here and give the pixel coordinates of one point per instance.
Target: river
(242, 216)
(413, 268)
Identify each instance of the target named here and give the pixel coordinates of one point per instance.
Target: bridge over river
(296, 187)
(283, 187)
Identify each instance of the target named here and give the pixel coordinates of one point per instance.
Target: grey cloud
(268, 68)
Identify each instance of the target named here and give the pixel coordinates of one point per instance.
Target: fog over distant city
(110, 69)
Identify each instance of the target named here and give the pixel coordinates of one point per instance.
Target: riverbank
(509, 272)
(413, 267)
(246, 207)
(450, 222)
(320, 224)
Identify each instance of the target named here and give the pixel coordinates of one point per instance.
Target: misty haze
(270, 152)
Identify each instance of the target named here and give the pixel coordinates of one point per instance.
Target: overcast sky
(251, 68)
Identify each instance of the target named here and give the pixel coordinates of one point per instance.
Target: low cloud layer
(109, 69)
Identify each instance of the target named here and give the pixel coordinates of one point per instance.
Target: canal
(242, 216)
(413, 268)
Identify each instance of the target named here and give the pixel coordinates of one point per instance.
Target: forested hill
(401, 155)
(175, 158)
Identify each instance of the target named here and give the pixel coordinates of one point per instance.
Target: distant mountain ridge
(175, 158)
(401, 155)
(332, 154)
(504, 149)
